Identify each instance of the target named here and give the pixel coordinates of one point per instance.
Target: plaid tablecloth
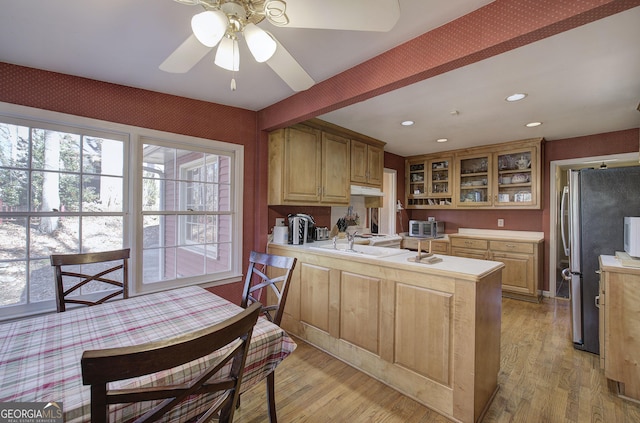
(40, 357)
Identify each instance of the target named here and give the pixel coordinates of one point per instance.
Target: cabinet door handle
(511, 246)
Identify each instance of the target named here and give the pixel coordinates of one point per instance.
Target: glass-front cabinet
(430, 183)
(515, 178)
(503, 175)
(474, 180)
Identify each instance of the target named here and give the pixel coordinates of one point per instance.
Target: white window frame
(132, 205)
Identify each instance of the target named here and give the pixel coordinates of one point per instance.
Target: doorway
(558, 260)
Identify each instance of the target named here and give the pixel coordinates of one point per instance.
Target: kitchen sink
(360, 250)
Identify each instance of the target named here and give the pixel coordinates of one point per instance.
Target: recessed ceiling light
(407, 123)
(442, 140)
(516, 97)
(533, 124)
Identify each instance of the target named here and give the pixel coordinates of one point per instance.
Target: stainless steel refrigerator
(595, 202)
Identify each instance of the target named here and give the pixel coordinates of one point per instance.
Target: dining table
(40, 356)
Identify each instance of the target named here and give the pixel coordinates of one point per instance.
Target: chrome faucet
(350, 239)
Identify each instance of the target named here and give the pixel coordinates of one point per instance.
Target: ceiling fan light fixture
(209, 27)
(227, 55)
(260, 42)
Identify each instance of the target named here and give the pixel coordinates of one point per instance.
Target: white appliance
(632, 236)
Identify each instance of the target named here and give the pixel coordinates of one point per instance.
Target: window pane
(13, 233)
(102, 233)
(189, 263)
(14, 190)
(102, 156)
(159, 265)
(13, 279)
(14, 146)
(224, 230)
(102, 193)
(158, 159)
(54, 235)
(222, 262)
(55, 151)
(41, 281)
(52, 191)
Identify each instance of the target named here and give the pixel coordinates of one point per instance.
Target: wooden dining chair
(100, 367)
(82, 269)
(254, 291)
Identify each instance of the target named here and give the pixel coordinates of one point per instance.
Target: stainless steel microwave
(426, 228)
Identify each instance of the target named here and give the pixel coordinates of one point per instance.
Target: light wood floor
(542, 379)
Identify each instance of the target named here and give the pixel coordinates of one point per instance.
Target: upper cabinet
(430, 181)
(308, 167)
(496, 176)
(367, 163)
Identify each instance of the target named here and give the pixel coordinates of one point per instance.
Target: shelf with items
(516, 173)
(474, 180)
(439, 177)
(430, 182)
(417, 179)
(503, 175)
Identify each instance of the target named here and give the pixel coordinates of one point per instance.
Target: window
(61, 191)
(188, 214)
(69, 188)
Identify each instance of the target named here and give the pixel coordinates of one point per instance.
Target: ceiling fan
(223, 22)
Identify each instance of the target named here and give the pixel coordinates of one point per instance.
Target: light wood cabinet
(307, 167)
(506, 175)
(522, 274)
(434, 336)
(438, 246)
(367, 164)
(619, 304)
(474, 179)
(430, 182)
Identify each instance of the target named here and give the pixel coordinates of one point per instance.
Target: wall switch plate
(500, 223)
(431, 219)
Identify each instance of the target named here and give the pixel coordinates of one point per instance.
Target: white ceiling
(584, 81)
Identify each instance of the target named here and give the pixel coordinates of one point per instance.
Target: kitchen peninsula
(431, 331)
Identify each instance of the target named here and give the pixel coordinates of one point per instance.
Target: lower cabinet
(433, 337)
(438, 246)
(522, 274)
(619, 304)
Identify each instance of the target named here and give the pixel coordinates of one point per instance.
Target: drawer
(440, 247)
(480, 244)
(513, 247)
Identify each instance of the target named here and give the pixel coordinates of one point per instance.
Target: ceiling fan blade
(186, 56)
(353, 15)
(289, 70)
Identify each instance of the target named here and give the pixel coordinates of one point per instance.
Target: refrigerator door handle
(563, 218)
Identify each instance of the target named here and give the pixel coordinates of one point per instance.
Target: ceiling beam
(496, 28)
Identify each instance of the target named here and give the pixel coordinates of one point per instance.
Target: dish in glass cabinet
(519, 178)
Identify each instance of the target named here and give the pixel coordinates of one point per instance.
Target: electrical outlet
(500, 223)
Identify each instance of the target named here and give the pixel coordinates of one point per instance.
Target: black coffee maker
(302, 228)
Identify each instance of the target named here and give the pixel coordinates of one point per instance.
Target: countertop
(612, 264)
(466, 267)
(500, 234)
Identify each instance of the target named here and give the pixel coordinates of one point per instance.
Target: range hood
(366, 191)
